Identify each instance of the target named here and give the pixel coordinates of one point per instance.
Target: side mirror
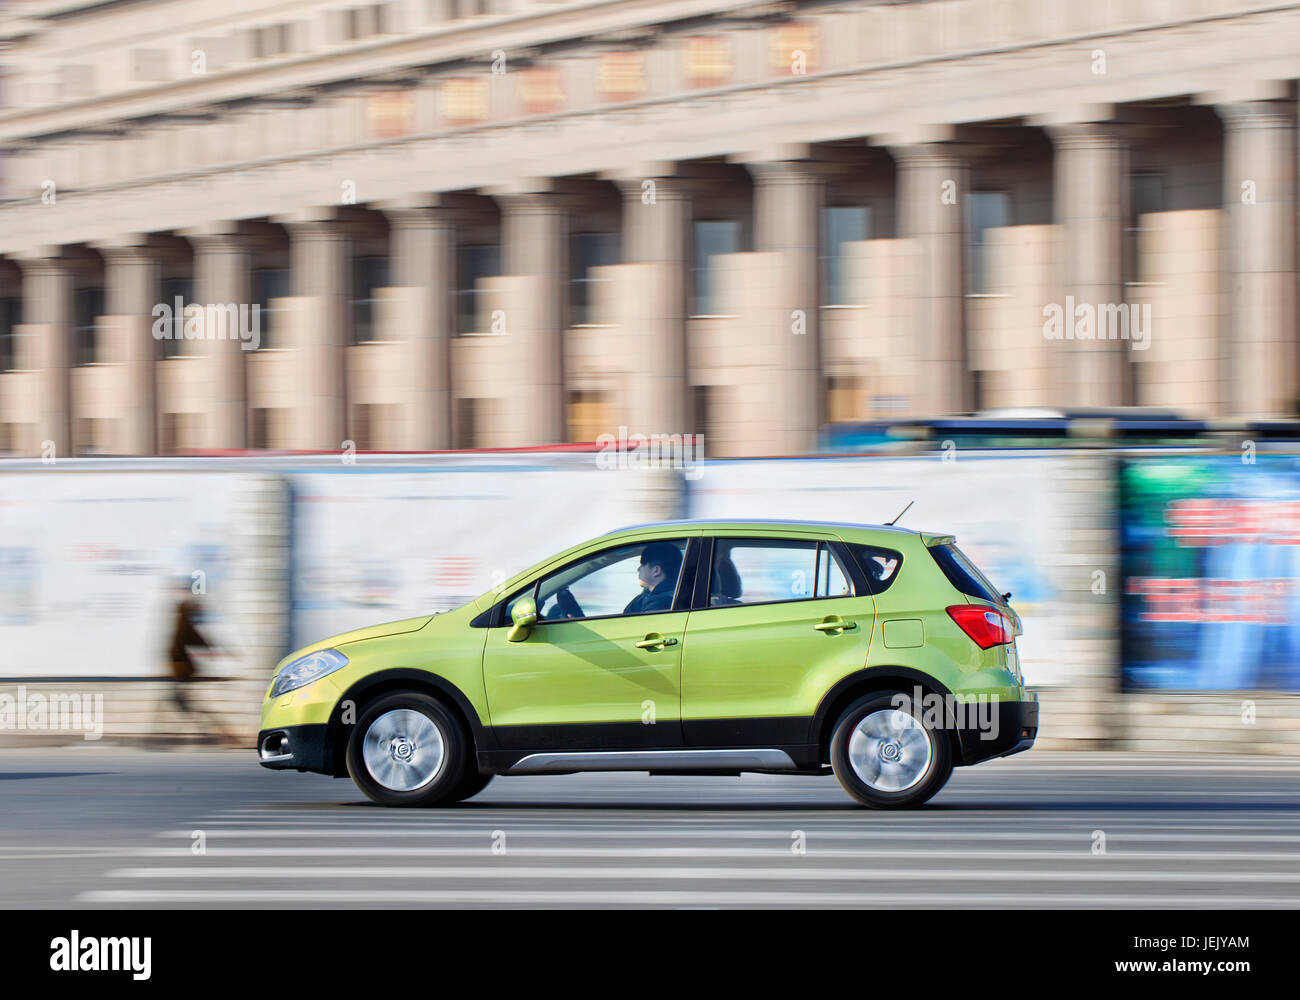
(524, 614)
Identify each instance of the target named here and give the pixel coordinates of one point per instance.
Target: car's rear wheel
(407, 749)
(889, 757)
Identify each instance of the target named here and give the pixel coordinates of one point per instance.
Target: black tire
(470, 785)
(936, 770)
(455, 760)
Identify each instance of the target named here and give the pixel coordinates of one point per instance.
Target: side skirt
(728, 760)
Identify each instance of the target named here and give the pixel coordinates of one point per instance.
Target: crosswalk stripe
(623, 898)
(485, 828)
(796, 870)
(782, 850)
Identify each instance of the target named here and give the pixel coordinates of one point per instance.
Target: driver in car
(657, 574)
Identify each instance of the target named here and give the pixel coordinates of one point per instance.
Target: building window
(177, 293)
(587, 251)
(260, 431)
(88, 306)
(370, 422)
(700, 417)
(845, 399)
(1146, 197)
(588, 415)
(474, 264)
(475, 419)
(268, 426)
(94, 435)
(841, 225)
(270, 285)
(986, 210)
(11, 314)
(369, 276)
(712, 238)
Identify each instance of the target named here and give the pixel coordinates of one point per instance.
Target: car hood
(359, 635)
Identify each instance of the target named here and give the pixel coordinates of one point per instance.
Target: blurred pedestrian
(185, 638)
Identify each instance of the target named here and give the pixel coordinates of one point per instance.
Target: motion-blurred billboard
(1004, 511)
(377, 543)
(1210, 551)
(90, 563)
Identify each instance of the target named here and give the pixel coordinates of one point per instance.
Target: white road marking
(781, 849)
(796, 870)
(623, 898)
(891, 836)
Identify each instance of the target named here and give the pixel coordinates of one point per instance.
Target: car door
(783, 620)
(601, 679)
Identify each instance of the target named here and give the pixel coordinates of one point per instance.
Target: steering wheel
(567, 603)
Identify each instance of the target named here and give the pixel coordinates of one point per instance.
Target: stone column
(932, 186)
(657, 234)
(788, 198)
(222, 272)
(1260, 200)
(47, 313)
(133, 280)
(423, 251)
(321, 261)
(535, 245)
(1092, 209)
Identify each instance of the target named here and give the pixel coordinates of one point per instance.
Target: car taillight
(985, 626)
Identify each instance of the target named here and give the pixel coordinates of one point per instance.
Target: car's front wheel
(889, 757)
(407, 749)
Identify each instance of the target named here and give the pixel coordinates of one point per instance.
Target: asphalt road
(104, 827)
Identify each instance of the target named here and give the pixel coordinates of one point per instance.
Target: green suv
(878, 654)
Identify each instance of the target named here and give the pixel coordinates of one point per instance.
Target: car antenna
(890, 524)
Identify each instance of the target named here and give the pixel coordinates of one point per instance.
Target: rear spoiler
(932, 540)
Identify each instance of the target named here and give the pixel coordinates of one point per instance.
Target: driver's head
(660, 561)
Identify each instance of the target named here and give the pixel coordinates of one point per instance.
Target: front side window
(764, 570)
(632, 579)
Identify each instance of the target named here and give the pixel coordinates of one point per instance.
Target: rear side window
(767, 570)
(964, 574)
(879, 566)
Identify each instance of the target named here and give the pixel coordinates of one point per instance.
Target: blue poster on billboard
(1210, 550)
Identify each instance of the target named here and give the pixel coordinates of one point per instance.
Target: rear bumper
(998, 730)
(296, 748)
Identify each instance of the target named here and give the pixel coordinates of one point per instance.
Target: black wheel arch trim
(842, 694)
(397, 679)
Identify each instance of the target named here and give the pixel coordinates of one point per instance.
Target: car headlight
(306, 669)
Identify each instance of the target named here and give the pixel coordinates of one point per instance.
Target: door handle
(655, 642)
(835, 625)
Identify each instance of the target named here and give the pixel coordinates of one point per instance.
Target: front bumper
(997, 729)
(296, 748)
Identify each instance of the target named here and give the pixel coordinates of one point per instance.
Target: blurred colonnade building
(471, 223)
